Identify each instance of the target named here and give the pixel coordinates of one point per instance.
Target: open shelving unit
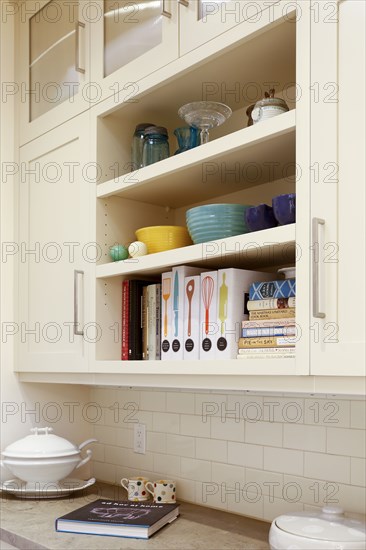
(240, 164)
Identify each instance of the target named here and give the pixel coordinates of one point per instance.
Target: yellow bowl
(163, 237)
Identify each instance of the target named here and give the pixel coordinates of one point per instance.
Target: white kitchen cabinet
(292, 152)
(53, 64)
(55, 250)
(130, 40)
(338, 145)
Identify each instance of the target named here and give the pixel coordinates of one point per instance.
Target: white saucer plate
(37, 490)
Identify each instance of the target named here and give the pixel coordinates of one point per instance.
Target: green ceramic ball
(118, 252)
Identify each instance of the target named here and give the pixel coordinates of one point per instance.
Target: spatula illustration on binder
(166, 291)
(190, 292)
(207, 294)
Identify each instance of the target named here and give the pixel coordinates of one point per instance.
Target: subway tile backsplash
(252, 454)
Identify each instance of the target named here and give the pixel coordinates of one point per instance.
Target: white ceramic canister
(325, 530)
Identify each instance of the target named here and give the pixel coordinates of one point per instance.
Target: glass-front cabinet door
(53, 63)
(203, 20)
(131, 40)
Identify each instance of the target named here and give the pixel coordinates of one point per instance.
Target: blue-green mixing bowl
(210, 222)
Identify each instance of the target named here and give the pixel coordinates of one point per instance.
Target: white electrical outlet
(139, 440)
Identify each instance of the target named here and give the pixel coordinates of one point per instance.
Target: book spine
(263, 342)
(144, 314)
(125, 319)
(268, 356)
(269, 323)
(268, 331)
(271, 303)
(158, 321)
(259, 314)
(151, 319)
(135, 310)
(266, 351)
(132, 320)
(263, 290)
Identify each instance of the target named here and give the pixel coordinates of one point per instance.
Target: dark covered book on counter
(118, 518)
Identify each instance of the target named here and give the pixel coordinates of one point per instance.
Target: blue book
(286, 288)
(269, 331)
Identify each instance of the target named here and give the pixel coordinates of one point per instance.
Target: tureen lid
(329, 525)
(41, 444)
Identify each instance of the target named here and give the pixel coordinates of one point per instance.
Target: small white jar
(268, 107)
(327, 530)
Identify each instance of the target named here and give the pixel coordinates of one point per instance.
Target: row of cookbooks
(192, 313)
(270, 330)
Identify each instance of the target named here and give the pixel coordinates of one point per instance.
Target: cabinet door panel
(54, 228)
(130, 40)
(53, 64)
(203, 20)
(338, 188)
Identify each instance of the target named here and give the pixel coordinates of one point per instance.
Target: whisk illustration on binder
(207, 294)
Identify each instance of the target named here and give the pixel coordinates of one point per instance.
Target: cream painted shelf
(274, 246)
(114, 374)
(200, 173)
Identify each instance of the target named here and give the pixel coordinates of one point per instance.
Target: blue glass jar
(138, 145)
(156, 145)
(187, 137)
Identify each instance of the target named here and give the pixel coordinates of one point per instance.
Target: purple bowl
(260, 217)
(284, 208)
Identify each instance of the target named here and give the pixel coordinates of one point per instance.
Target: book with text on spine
(125, 318)
(153, 322)
(270, 342)
(271, 303)
(265, 351)
(261, 290)
(262, 323)
(135, 319)
(288, 355)
(289, 330)
(118, 518)
(261, 314)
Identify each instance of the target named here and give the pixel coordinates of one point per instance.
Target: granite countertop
(30, 524)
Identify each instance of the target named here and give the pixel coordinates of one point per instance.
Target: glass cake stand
(205, 115)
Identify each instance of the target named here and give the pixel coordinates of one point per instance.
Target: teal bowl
(210, 222)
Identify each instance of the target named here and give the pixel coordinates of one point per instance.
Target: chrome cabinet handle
(78, 69)
(165, 12)
(315, 230)
(184, 3)
(77, 332)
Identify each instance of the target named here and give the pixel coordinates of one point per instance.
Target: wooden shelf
(217, 168)
(270, 247)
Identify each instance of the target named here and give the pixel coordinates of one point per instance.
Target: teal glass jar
(137, 145)
(187, 137)
(156, 145)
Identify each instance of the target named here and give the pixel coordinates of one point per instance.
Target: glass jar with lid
(138, 145)
(156, 145)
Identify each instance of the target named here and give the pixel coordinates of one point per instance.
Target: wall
(258, 455)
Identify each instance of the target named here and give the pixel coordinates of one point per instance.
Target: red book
(125, 318)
